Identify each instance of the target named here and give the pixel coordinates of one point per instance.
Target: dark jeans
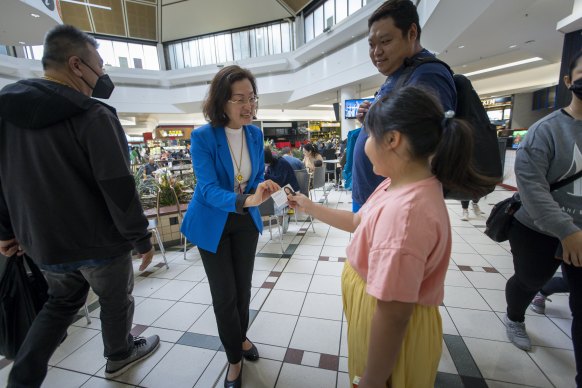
(556, 284)
(230, 272)
(534, 264)
(113, 284)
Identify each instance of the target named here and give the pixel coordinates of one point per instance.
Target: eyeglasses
(252, 100)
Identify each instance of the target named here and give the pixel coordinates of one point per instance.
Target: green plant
(298, 153)
(146, 188)
(170, 189)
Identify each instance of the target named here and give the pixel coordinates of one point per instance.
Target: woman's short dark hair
(418, 115)
(270, 159)
(220, 92)
(64, 41)
(574, 63)
(403, 12)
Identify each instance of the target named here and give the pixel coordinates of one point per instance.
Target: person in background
(548, 225)
(150, 167)
(134, 156)
(349, 155)
(223, 220)
(279, 170)
(310, 156)
(394, 40)
(476, 209)
(554, 285)
(393, 281)
(293, 161)
(81, 236)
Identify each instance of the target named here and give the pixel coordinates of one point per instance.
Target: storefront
(172, 138)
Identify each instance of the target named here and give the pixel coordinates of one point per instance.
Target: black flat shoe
(237, 383)
(252, 354)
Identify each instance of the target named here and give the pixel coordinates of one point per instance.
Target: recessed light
(23, 43)
(34, 15)
(461, 46)
(513, 46)
(504, 66)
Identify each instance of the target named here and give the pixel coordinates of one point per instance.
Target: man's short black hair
(64, 41)
(403, 12)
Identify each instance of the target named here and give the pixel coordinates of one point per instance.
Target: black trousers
(534, 264)
(113, 284)
(556, 284)
(230, 272)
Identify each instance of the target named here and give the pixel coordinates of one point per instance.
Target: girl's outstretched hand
(299, 202)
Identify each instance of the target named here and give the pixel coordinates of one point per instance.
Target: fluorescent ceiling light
(320, 106)
(127, 120)
(505, 66)
(87, 4)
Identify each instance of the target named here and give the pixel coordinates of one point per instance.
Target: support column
(347, 93)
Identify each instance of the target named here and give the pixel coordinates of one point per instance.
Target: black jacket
(66, 190)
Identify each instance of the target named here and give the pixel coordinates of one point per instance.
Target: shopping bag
(22, 295)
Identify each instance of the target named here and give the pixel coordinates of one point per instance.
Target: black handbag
(499, 220)
(22, 295)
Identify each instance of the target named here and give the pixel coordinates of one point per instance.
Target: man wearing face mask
(68, 200)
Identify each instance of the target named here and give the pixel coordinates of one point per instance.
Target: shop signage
(494, 101)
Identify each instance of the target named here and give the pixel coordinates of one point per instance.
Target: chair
(267, 209)
(319, 182)
(303, 180)
(153, 227)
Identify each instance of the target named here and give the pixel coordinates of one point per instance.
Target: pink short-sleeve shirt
(403, 243)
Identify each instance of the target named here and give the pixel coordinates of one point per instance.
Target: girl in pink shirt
(393, 281)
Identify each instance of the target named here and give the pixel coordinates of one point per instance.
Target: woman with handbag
(547, 228)
(223, 220)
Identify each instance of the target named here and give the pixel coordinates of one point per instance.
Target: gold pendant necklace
(239, 177)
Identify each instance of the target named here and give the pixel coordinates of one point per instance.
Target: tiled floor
(298, 323)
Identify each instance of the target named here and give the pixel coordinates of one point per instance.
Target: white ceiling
(183, 19)
(486, 29)
(14, 14)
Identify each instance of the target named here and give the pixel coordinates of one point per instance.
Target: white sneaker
(516, 334)
(465, 215)
(477, 210)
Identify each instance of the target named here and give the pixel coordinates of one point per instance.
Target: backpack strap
(564, 182)
(411, 64)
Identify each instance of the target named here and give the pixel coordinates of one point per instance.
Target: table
(335, 162)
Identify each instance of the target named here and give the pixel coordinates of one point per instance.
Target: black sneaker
(142, 349)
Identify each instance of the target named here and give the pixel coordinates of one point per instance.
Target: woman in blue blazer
(223, 219)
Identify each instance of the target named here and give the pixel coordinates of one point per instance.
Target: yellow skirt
(419, 357)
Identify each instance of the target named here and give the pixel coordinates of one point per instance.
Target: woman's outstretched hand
(264, 191)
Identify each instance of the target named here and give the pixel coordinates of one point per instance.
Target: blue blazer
(214, 196)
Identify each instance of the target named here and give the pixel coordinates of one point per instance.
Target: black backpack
(486, 156)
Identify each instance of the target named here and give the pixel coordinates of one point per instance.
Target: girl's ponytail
(452, 161)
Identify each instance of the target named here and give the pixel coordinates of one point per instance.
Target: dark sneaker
(516, 334)
(538, 304)
(142, 349)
